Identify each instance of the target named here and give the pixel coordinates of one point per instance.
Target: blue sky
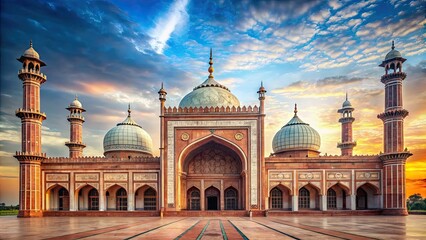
(112, 53)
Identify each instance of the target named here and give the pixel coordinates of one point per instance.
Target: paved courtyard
(293, 227)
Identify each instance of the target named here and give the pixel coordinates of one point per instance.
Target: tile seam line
(225, 237)
(187, 230)
(152, 229)
(239, 231)
(202, 232)
(276, 230)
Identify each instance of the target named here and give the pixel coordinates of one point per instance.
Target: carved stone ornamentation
(239, 136)
(145, 176)
(309, 176)
(368, 175)
(57, 177)
(184, 136)
(115, 176)
(214, 161)
(281, 175)
(86, 177)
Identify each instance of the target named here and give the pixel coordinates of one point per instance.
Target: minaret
(347, 144)
(31, 156)
(76, 120)
(162, 97)
(394, 156)
(261, 135)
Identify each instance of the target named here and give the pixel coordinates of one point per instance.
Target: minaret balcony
(395, 157)
(346, 119)
(30, 113)
(25, 73)
(75, 144)
(391, 76)
(75, 117)
(29, 156)
(346, 144)
(393, 114)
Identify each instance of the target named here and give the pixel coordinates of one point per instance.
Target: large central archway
(216, 169)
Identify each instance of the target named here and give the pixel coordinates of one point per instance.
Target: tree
(416, 202)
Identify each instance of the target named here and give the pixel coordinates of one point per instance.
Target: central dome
(210, 94)
(296, 136)
(127, 139)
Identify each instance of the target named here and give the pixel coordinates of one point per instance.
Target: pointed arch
(194, 198)
(231, 198)
(312, 186)
(119, 185)
(282, 187)
(146, 198)
(55, 185)
(370, 186)
(212, 138)
(84, 185)
(341, 185)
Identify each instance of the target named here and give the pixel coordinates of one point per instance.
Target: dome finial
(295, 109)
(129, 111)
(31, 43)
(211, 69)
(346, 96)
(76, 97)
(393, 45)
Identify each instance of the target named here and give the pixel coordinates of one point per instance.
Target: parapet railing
(32, 71)
(213, 110)
(95, 159)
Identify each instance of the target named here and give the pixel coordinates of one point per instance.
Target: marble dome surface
(296, 135)
(128, 136)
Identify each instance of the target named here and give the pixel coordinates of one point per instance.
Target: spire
(129, 111)
(346, 96)
(76, 97)
(295, 109)
(261, 83)
(211, 69)
(393, 45)
(162, 85)
(31, 43)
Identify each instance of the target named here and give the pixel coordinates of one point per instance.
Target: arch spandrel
(50, 186)
(193, 147)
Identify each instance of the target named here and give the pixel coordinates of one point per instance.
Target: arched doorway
(193, 199)
(308, 197)
(367, 197)
(213, 164)
(121, 199)
(231, 199)
(87, 198)
(57, 199)
(212, 198)
(338, 197)
(280, 198)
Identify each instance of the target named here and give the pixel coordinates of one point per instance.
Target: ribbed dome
(76, 103)
(296, 135)
(128, 136)
(393, 54)
(209, 94)
(31, 52)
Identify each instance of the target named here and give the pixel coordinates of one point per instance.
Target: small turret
(76, 120)
(347, 143)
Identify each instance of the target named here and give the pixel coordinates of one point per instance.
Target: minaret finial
(76, 97)
(261, 83)
(129, 111)
(346, 96)
(295, 109)
(393, 45)
(162, 85)
(211, 69)
(31, 43)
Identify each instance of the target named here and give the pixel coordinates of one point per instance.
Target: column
(72, 193)
(102, 193)
(131, 194)
(295, 203)
(323, 202)
(222, 196)
(353, 201)
(202, 195)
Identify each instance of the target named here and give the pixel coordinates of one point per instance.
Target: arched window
(304, 198)
(194, 199)
(93, 199)
(361, 199)
(276, 198)
(64, 199)
(150, 200)
(121, 199)
(37, 68)
(24, 66)
(30, 66)
(231, 199)
(331, 199)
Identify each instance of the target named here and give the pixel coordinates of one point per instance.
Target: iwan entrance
(212, 178)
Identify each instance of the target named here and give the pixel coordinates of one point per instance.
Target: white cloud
(166, 26)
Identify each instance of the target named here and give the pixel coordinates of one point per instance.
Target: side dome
(296, 136)
(210, 93)
(76, 103)
(393, 54)
(31, 52)
(127, 139)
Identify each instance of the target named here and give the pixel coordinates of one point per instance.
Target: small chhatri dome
(31, 52)
(76, 103)
(128, 136)
(210, 93)
(393, 53)
(346, 103)
(296, 135)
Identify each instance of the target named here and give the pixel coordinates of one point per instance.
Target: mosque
(212, 159)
